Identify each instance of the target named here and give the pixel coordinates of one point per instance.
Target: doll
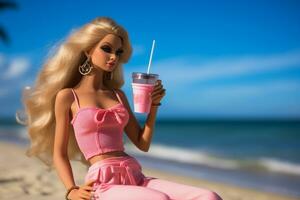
(77, 111)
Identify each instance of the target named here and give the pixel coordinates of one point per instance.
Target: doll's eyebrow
(107, 43)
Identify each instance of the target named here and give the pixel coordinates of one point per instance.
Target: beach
(25, 178)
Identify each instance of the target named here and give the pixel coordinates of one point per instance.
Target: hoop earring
(86, 67)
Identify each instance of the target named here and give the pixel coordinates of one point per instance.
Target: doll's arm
(140, 137)
(61, 161)
(133, 128)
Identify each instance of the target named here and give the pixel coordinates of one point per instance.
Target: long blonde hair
(61, 71)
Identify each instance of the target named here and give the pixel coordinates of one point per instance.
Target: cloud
(180, 73)
(180, 70)
(188, 82)
(260, 88)
(16, 68)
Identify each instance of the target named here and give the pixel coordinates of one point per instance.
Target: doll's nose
(112, 57)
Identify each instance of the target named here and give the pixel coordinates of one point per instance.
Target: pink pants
(121, 178)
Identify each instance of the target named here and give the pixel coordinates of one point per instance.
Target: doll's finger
(158, 87)
(155, 93)
(158, 81)
(158, 97)
(156, 100)
(87, 188)
(88, 194)
(85, 194)
(159, 92)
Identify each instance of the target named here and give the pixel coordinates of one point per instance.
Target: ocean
(260, 154)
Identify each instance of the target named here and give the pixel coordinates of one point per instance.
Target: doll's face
(107, 53)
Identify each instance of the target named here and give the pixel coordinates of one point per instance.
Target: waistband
(109, 161)
(124, 170)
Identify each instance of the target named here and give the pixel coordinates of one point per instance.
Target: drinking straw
(152, 49)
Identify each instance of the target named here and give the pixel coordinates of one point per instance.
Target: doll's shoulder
(64, 97)
(121, 93)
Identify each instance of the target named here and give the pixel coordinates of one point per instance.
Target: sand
(27, 178)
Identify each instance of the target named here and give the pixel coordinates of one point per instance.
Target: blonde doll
(77, 111)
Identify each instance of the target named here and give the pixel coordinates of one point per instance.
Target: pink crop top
(98, 130)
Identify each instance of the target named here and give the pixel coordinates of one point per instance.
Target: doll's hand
(158, 93)
(84, 192)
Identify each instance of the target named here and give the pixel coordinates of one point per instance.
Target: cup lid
(141, 75)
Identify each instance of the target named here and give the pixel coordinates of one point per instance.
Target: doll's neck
(93, 81)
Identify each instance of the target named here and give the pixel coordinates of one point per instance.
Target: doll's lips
(111, 63)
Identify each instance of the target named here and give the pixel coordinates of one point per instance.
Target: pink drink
(143, 85)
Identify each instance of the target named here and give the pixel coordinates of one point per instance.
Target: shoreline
(261, 181)
(23, 178)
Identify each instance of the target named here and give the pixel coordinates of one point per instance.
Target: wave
(276, 165)
(189, 156)
(198, 157)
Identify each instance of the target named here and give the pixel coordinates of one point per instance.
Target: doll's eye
(119, 52)
(106, 48)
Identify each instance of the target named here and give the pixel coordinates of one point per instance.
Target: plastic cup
(142, 87)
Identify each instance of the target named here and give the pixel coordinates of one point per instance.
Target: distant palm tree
(6, 5)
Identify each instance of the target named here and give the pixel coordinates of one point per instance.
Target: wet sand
(26, 178)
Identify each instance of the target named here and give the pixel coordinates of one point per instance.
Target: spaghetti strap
(117, 94)
(76, 98)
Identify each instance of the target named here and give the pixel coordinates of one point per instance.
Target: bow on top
(101, 114)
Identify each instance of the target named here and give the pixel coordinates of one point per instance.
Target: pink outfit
(98, 130)
(120, 178)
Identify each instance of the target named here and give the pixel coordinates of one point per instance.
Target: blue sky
(217, 59)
